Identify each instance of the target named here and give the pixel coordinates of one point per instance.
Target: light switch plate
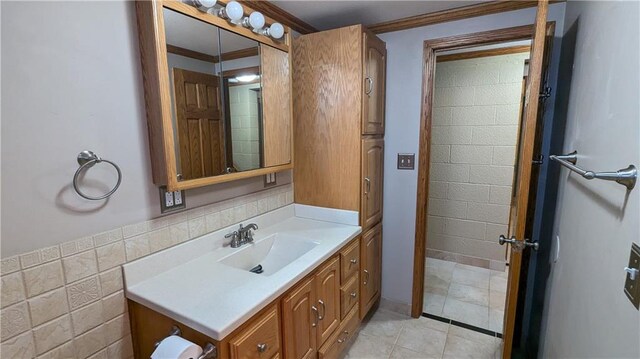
(406, 161)
(632, 287)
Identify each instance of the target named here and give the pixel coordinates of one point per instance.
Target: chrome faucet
(242, 235)
(246, 236)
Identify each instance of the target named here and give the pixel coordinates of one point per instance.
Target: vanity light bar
(234, 13)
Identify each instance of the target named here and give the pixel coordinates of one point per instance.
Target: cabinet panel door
(375, 63)
(370, 277)
(372, 173)
(328, 300)
(300, 321)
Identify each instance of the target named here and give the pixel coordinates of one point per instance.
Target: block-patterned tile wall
(67, 301)
(475, 124)
(245, 131)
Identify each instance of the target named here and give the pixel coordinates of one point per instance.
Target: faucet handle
(235, 239)
(232, 234)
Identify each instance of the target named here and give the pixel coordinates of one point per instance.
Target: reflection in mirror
(242, 95)
(193, 53)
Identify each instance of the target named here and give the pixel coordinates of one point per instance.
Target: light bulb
(256, 20)
(276, 30)
(202, 5)
(234, 11)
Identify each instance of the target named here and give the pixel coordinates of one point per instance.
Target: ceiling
(329, 14)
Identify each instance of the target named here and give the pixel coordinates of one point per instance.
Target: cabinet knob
(354, 261)
(353, 294)
(262, 347)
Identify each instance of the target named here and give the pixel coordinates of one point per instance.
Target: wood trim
(231, 55)
(239, 54)
(428, 69)
(484, 53)
(459, 13)
(277, 13)
(206, 181)
(244, 70)
(181, 51)
(191, 11)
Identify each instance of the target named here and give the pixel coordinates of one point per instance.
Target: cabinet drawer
(349, 296)
(339, 340)
(260, 340)
(349, 261)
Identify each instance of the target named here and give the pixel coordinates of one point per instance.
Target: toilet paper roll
(175, 347)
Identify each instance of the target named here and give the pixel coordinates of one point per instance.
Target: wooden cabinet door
(375, 63)
(372, 174)
(370, 276)
(199, 124)
(327, 283)
(299, 320)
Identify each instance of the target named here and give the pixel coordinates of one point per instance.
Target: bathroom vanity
(305, 302)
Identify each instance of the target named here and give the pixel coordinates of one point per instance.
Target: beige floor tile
(502, 274)
(369, 347)
(436, 285)
(472, 335)
(498, 283)
(473, 314)
(473, 268)
(421, 338)
(469, 294)
(459, 347)
(404, 353)
(385, 325)
(439, 263)
(496, 320)
(426, 323)
(433, 303)
(497, 299)
(469, 277)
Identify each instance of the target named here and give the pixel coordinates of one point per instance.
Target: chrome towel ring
(86, 159)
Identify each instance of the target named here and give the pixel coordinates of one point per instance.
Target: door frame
(424, 161)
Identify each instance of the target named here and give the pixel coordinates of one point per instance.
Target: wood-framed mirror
(218, 96)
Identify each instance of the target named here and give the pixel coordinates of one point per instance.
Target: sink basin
(272, 253)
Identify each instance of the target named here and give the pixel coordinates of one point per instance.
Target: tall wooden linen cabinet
(338, 105)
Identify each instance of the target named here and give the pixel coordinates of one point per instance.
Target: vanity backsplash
(68, 301)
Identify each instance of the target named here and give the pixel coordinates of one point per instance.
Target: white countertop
(188, 283)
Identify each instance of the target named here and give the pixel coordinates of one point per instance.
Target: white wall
(404, 80)
(71, 81)
(586, 312)
(476, 112)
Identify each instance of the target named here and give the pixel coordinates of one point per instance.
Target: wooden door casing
(199, 123)
(327, 283)
(374, 74)
(370, 276)
(298, 322)
(372, 180)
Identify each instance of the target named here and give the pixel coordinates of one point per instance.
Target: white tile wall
(475, 124)
(67, 301)
(243, 103)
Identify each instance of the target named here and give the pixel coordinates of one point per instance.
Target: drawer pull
(354, 261)
(324, 309)
(262, 348)
(340, 341)
(316, 316)
(366, 278)
(353, 294)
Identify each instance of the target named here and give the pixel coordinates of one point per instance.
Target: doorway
(477, 109)
(523, 194)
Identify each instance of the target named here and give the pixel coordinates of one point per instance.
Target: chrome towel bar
(626, 176)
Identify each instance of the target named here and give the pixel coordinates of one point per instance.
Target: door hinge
(538, 160)
(545, 93)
